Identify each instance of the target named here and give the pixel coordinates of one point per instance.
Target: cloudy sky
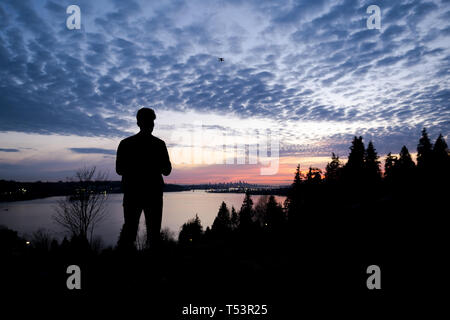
(310, 71)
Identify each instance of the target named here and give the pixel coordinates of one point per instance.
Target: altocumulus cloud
(289, 61)
(93, 151)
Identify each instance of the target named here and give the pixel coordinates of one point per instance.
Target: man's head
(146, 119)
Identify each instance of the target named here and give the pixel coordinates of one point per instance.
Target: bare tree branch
(81, 212)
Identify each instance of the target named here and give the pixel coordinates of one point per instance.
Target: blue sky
(309, 70)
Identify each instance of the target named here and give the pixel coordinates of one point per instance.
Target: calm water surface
(29, 216)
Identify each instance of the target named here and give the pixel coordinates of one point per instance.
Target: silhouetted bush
(191, 232)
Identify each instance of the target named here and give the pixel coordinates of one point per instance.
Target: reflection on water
(29, 216)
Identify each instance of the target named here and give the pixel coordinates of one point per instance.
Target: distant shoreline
(11, 191)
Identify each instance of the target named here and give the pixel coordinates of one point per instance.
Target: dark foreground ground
(318, 267)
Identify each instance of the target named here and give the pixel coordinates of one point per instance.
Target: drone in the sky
(221, 59)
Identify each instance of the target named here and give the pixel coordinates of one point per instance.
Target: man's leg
(153, 218)
(128, 234)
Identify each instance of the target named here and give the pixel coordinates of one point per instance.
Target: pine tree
(222, 223)
(297, 178)
(424, 153)
(259, 209)
(274, 218)
(246, 212)
(389, 167)
(234, 218)
(293, 200)
(333, 169)
(405, 166)
(405, 160)
(314, 175)
(441, 158)
(353, 169)
(371, 164)
(440, 150)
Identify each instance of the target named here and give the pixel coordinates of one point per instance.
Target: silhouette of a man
(141, 159)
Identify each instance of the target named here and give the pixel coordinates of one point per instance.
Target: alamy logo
(74, 280)
(374, 21)
(199, 146)
(74, 20)
(374, 280)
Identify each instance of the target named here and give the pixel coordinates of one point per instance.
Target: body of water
(29, 216)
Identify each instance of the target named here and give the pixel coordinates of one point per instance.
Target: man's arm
(166, 166)
(120, 159)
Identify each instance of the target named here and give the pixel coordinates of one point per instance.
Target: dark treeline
(18, 191)
(252, 222)
(334, 224)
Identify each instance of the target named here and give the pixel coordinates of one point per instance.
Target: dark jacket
(141, 159)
